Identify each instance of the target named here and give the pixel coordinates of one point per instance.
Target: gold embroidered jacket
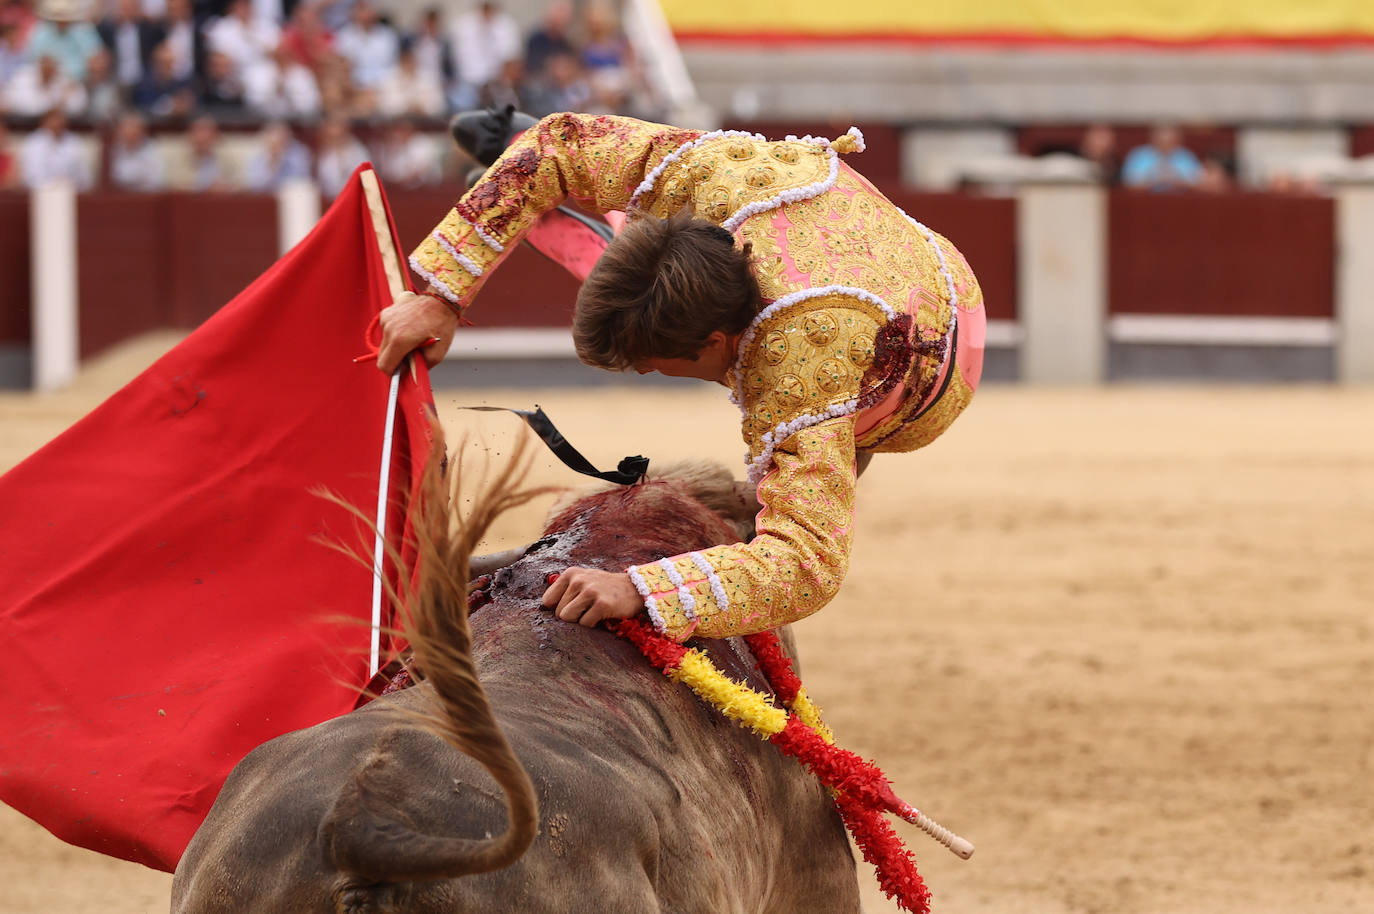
(859, 322)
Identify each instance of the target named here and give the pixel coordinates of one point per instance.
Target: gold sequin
(774, 347)
(831, 377)
(821, 327)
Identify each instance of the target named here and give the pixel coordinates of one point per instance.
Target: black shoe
(485, 133)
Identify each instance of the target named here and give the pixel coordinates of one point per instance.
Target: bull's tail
(365, 836)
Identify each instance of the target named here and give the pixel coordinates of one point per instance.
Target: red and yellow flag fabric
(166, 603)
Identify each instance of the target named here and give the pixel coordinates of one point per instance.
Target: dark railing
(1238, 254)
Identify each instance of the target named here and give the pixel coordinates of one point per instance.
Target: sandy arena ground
(1120, 638)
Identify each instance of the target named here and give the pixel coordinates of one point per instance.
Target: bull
(572, 778)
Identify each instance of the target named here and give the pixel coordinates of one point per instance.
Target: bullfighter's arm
(804, 370)
(597, 160)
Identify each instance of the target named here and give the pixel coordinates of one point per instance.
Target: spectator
(208, 169)
(550, 38)
(161, 93)
(1163, 164)
(279, 158)
(1099, 148)
(563, 87)
(408, 157)
(409, 91)
(222, 92)
(184, 40)
(433, 56)
(337, 155)
(310, 43)
(280, 87)
(605, 47)
(104, 97)
(130, 40)
(42, 86)
(240, 37)
(135, 162)
(370, 46)
(1218, 173)
(66, 34)
(9, 162)
(13, 54)
(484, 39)
(53, 153)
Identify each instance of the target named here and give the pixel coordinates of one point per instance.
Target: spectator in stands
(208, 171)
(562, 87)
(1163, 164)
(605, 47)
(130, 39)
(370, 46)
(338, 153)
(183, 39)
(307, 38)
(433, 56)
(409, 158)
(42, 86)
(1218, 173)
(9, 162)
(66, 34)
(280, 87)
(409, 91)
(280, 157)
(1099, 147)
(161, 93)
(484, 39)
(53, 153)
(222, 92)
(242, 37)
(135, 162)
(104, 95)
(13, 53)
(550, 38)
(504, 90)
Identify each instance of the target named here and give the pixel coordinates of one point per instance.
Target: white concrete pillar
(1355, 282)
(56, 323)
(1061, 251)
(298, 209)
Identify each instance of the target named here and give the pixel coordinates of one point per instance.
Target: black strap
(629, 471)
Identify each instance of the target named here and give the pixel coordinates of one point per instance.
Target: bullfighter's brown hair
(660, 289)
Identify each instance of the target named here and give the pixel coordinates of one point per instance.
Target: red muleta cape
(165, 608)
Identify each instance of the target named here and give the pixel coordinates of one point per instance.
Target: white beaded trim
(453, 252)
(650, 604)
(434, 281)
(758, 466)
(684, 596)
(939, 255)
(652, 177)
(717, 588)
(482, 233)
(795, 195)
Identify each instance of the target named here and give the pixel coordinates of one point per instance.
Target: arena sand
(1120, 638)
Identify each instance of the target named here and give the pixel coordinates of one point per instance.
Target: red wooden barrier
(15, 319)
(1229, 254)
(165, 260)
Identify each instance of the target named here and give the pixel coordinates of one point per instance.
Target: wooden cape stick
(396, 284)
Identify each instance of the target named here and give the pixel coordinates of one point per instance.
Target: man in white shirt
(242, 38)
(281, 87)
(484, 40)
(370, 46)
(135, 163)
(52, 153)
(42, 86)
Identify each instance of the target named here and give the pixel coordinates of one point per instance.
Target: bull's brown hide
(649, 800)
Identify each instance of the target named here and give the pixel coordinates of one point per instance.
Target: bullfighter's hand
(410, 320)
(589, 596)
